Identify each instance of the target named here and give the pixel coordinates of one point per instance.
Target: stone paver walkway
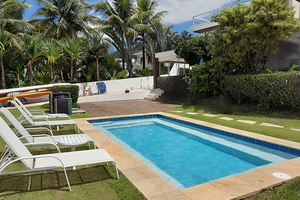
(111, 108)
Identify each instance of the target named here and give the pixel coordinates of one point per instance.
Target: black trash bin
(60, 102)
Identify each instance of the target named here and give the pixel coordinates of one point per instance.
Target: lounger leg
(67, 178)
(115, 164)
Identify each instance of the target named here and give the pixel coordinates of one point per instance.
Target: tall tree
(74, 49)
(11, 14)
(52, 52)
(33, 50)
(146, 19)
(64, 18)
(247, 35)
(119, 27)
(97, 49)
(6, 43)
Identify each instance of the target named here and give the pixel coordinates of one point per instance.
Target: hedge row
(73, 89)
(173, 85)
(272, 89)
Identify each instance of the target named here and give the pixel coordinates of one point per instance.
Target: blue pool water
(186, 155)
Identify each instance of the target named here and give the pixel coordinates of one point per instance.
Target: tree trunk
(2, 72)
(144, 63)
(129, 66)
(62, 76)
(30, 72)
(71, 73)
(18, 76)
(51, 73)
(123, 63)
(97, 63)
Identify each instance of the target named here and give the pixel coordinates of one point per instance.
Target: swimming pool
(187, 154)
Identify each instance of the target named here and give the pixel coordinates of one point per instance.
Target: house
(138, 63)
(289, 49)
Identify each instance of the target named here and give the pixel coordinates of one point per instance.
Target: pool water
(187, 156)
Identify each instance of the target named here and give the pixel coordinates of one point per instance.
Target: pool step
(154, 94)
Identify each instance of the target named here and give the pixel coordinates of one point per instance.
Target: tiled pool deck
(155, 187)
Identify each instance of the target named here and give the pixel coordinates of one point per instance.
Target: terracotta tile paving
(155, 187)
(109, 108)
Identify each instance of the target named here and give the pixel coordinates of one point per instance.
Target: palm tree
(11, 14)
(74, 48)
(33, 49)
(4, 48)
(184, 35)
(97, 49)
(64, 18)
(146, 19)
(52, 53)
(119, 27)
(20, 68)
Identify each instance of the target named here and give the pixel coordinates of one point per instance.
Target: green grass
(222, 107)
(96, 182)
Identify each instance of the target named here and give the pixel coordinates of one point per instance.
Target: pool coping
(155, 187)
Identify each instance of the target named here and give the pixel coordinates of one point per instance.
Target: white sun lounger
(37, 114)
(43, 122)
(23, 133)
(17, 151)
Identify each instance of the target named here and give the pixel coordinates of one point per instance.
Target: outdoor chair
(101, 87)
(22, 133)
(41, 114)
(16, 151)
(42, 122)
(94, 90)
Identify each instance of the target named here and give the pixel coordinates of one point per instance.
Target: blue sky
(180, 14)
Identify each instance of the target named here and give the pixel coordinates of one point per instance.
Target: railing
(205, 17)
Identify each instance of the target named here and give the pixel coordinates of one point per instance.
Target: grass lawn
(96, 182)
(224, 108)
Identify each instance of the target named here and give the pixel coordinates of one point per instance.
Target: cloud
(181, 11)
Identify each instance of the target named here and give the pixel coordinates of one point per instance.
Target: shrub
(272, 89)
(173, 85)
(203, 81)
(73, 89)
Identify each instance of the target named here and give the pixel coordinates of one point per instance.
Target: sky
(180, 12)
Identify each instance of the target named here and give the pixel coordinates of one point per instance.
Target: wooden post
(155, 71)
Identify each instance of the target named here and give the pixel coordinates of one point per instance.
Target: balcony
(201, 23)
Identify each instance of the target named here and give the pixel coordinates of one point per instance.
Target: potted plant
(84, 85)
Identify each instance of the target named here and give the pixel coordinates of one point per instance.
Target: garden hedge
(73, 89)
(173, 85)
(271, 89)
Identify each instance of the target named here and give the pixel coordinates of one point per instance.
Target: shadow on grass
(13, 184)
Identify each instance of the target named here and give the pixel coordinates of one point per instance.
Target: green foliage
(192, 50)
(143, 72)
(271, 89)
(203, 81)
(247, 35)
(73, 89)
(46, 106)
(173, 85)
(121, 75)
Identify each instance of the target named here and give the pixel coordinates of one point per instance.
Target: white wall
(122, 84)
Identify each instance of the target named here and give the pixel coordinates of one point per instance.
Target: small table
(73, 140)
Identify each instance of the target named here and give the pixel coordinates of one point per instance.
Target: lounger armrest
(40, 135)
(43, 144)
(31, 157)
(36, 128)
(37, 111)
